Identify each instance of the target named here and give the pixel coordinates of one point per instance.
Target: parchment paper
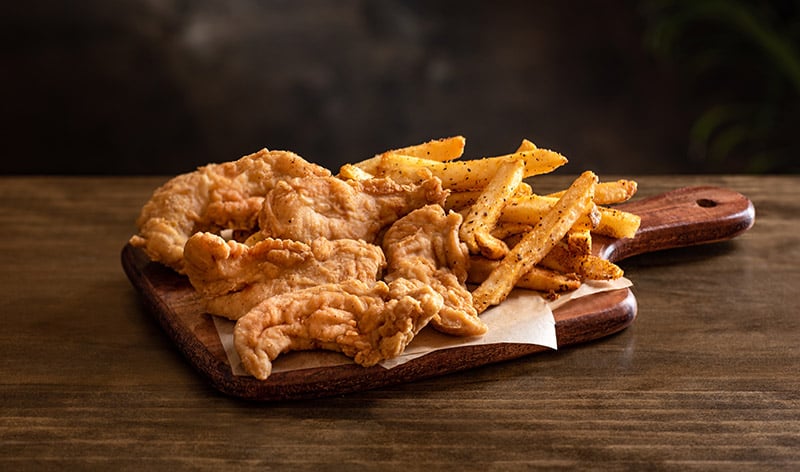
(523, 318)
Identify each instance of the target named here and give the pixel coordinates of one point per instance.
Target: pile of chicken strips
(361, 261)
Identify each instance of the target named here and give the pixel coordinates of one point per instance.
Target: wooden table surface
(708, 376)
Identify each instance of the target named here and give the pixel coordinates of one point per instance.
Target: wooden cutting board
(683, 217)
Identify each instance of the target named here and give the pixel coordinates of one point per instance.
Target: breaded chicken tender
(367, 322)
(424, 282)
(304, 209)
(425, 246)
(231, 277)
(215, 196)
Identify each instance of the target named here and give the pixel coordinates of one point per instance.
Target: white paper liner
(523, 318)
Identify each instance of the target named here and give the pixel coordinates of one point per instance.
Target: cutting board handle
(684, 217)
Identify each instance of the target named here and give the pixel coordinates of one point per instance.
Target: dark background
(623, 87)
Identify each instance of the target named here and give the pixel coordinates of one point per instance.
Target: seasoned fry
(506, 230)
(537, 278)
(586, 266)
(596, 268)
(476, 229)
(603, 220)
(576, 202)
(459, 200)
(608, 193)
(353, 172)
(367, 167)
(532, 208)
(440, 150)
(466, 175)
(579, 241)
(617, 223)
(523, 189)
(489, 246)
(526, 145)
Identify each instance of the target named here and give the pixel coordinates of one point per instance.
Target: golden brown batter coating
(215, 196)
(328, 207)
(368, 322)
(424, 245)
(231, 278)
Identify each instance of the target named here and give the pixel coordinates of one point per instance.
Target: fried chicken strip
(368, 322)
(424, 282)
(425, 246)
(304, 209)
(231, 278)
(228, 195)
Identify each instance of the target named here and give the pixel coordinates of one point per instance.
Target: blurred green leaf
(743, 61)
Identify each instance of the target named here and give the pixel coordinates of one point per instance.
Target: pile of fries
(516, 237)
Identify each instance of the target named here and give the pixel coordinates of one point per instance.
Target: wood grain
(705, 379)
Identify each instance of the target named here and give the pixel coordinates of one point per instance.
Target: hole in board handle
(706, 203)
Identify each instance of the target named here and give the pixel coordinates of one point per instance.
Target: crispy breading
(424, 245)
(368, 322)
(304, 209)
(424, 282)
(227, 195)
(231, 278)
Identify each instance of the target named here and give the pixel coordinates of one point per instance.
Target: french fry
(459, 200)
(489, 246)
(506, 230)
(617, 223)
(587, 266)
(613, 222)
(529, 210)
(466, 175)
(576, 202)
(532, 208)
(481, 218)
(608, 193)
(596, 268)
(537, 278)
(440, 150)
(524, 189)
(367, 167)
(579, 241)
(526, 145)
(353, 172)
